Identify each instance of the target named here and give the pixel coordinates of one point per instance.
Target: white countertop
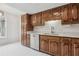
(63, 34)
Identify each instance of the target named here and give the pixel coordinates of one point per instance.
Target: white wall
(13, 25)
(13, 28)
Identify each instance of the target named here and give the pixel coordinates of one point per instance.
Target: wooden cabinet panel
(56, 14)
(59, 46)
(47, 15)
(50, 45)
(54, 46)
(78, 11)
(25, 26)
(37, 19)
(23, 39)
(64, 15)
(28, 40)
(65, 47)
(72, 12)
(75, 47)
(44, 44)
(69, 14)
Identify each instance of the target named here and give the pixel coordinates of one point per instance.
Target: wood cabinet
(59, 46)
(44, 44)
(54, 46)
(75, 47)
(69, 14)
(65, 46)
(56, 13)
(50, 45)
(25, 26)
(47, 15)
(64, 15)
(78, 11)
(37, 19)
(28, 40)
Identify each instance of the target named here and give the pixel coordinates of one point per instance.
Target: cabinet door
(24, 39)
(72, 13)
(64, 15)
(37, 19)
(56, 14)
(75, 47)
(54, 47)
(65, 47)
(78, 11)
(28, 40)
(47, 15)
(44, 44)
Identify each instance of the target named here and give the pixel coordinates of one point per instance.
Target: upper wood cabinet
(78, 11)
(47, 15)
(37, 19)
(44, 44)
(26, 23)
(64, 15)
(69, 14)
(56, 14)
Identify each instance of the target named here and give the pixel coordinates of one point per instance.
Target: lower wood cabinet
(54, 48)
(28, 40)
(75, 47)
(50, 45)
(25, 40)
(44, 45)
(59, 46)
(65, 46)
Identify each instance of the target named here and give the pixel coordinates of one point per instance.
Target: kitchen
(54, 31)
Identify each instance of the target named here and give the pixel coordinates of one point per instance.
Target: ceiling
(34, 7)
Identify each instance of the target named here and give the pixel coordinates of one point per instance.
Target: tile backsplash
(73, 28)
